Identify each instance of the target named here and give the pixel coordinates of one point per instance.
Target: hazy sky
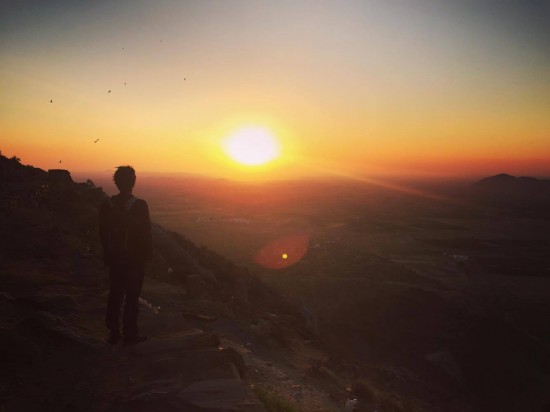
(349, 87)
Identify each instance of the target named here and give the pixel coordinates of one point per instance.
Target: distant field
(349, 221)
(393, 279)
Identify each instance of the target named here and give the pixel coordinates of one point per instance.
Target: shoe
(114, 337)
(134, 340)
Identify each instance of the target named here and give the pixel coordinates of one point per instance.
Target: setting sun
(251, 146)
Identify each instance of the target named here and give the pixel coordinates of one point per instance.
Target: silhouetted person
(125, 231)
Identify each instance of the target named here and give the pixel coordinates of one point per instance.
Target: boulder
(221, 395)
(55, 329)
(240, 291)
(59, 178)
(212, 395)
(231, 355)
(154, 396)
(446, 361)
(49, 302)
(185, 340)
(225, 370)
(154, 390)
(194, 365)
(16, 348)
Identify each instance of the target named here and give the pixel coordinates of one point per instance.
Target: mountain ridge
(504, 181)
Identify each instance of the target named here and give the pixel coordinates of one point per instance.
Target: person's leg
(133, 284)
(114, 302)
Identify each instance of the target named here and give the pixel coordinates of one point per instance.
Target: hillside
(219, 337)
(518, 195)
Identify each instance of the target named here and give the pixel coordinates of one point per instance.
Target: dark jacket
(139, 230)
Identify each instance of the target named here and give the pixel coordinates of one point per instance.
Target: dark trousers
(125, 281)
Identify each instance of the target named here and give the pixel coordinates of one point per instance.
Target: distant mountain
(514, 186)
(519, 195)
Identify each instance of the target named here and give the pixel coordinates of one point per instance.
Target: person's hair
(125, 178)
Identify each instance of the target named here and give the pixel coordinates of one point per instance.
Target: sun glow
(251, 146)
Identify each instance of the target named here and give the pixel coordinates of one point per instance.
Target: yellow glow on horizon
(251, 146)
(463, 108)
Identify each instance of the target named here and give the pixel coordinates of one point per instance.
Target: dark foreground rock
(185, 371)
(185, 340)
(220, 395)
(214, 395)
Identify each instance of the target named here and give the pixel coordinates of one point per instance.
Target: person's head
(125, 178)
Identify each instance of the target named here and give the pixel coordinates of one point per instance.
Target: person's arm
(104, 231)
(145, 241)
(148, 234)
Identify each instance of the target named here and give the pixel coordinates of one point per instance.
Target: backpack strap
(128, 205)
(130, 202)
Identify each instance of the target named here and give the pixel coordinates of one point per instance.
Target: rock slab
(221, 395)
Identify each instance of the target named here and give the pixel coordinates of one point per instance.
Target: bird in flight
(109, 91)
(60, 161)
(51, 100)
(96, 140)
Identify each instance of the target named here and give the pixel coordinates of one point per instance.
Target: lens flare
(283, 252)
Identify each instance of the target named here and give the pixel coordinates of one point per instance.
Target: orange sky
(354, 88)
